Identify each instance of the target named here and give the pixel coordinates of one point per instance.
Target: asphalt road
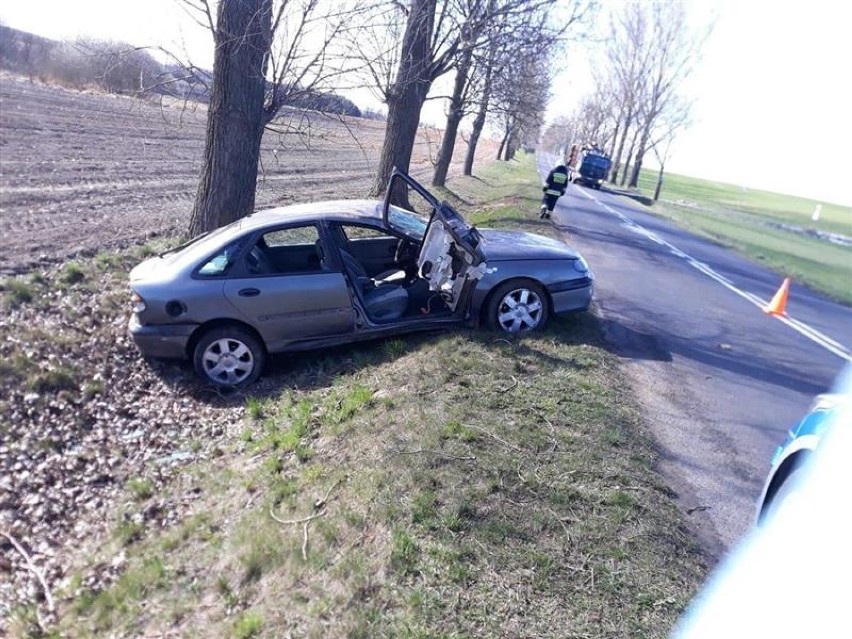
(720, 381)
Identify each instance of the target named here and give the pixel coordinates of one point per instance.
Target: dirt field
(83, 172)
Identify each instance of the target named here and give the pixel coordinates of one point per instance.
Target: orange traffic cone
(779, 302)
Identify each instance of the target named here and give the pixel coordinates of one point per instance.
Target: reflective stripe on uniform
(553, 192)
(560, 178)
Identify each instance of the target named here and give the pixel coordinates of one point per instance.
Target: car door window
(353, 232)
(287, 251)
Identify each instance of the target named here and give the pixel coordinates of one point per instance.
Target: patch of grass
(455, 429)
(254, 408)
(283, 491)
(17, 369)
(404, 553)
(140, 488)
(128, 531)
(110, 261)
(423, 507)
(354, 400)
(286, 430)
(274, 464)
(248, 624)
(92, 388)
(62, 378)
(72, 273)
(17, 292)
(791, 209)
(394, 348)
(257, 546)
(748, 222)
(119, 605)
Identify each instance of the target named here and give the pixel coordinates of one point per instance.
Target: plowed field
(82, 172)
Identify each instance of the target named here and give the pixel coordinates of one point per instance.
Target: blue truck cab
(593, 170)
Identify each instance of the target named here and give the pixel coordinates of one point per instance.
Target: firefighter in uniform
(554, 187)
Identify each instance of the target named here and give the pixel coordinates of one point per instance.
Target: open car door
(450, 259)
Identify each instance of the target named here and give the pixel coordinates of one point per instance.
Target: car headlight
(581, 266)
(138, 302)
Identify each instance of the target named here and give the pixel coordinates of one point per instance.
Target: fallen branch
(510, 387)
(305, 542)
(302, 520)
(435, 452)
(561, 521)
(494, 437)
(320, 510)
(35, 570)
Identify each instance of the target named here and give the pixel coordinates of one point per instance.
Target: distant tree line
(110, 66)
(118, 67)
(637, 105)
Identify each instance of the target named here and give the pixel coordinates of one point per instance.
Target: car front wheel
(518, 307)
(229, 356)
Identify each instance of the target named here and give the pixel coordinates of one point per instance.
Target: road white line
(797, 325)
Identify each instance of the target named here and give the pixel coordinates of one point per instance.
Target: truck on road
(593, 169)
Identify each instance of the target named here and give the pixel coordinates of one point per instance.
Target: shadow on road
(633, 195)
(721, 353)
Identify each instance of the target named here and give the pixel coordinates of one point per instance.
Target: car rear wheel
(518, 307)
(229, 356)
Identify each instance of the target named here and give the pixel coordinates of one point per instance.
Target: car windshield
(414, 226)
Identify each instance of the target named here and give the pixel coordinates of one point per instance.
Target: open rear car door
(450, 259)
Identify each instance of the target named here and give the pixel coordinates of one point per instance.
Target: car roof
(352, 211)
(368, 211)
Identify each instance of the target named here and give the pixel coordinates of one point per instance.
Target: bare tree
(650, 51)
(627, 54)
(236, 115)
(675, 119)
(512, 26)
(486, 70)
(674, 52)
(520, 97)
(426, 53)
(119, 67)
(267, 53)
(560, 134)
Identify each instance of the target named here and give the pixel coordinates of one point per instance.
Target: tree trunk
(511, 145)
(626, 170)
(640, 155)
(454, 118)
(503, 144)
(614, 139)
(637, 167)
(616, 161)
(406, 97)
(659, 182)
(235, 117)
(478, 125)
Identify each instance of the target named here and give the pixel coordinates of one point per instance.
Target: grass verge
(451, 485)
(771, 228)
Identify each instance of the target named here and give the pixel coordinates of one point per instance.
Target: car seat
(383, 301)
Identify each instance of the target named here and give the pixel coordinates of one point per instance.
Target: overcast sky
(772, 89)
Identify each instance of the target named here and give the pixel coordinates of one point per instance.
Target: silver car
(326, 273)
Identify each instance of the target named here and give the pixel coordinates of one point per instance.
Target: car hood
(518, 245)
